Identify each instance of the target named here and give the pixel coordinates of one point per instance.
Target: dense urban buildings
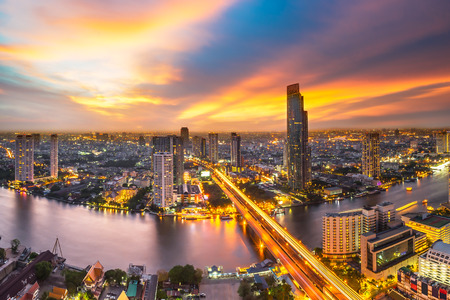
(213, 147)
(54, 155)
(236, 150)
(24, 155)
(172, 144)
(298, 151)
(163, 178)
(371, 155)
(443, 142)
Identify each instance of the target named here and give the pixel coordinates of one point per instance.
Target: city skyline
(78, 66)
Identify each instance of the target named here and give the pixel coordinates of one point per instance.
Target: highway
(317, 280)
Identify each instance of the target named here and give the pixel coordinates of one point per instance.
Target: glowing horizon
(111, 66)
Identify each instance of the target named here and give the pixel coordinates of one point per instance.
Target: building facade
(298, 151)
(24, 158)
(163, 179)
(174, 145)
(213, 147)
(442, 142)
(371, 155)
(54, 155)
(184, 133)
(383, 253)
(236, 150)
(435, 227)
(420, 287)
(341, 235)
(377, 218)
(435, 263)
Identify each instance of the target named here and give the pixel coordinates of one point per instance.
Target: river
(117, 239)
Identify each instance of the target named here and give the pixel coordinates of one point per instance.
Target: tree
(163, 275)
(282, 291)
(43, 270)
(2, 254)
(33, 255)
(15, 243)
(115, 276)
(245, 288)
(176, 274)
(198, 276)
(73, 280)
(184, 275)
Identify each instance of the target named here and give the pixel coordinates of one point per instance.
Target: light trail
(334, 280)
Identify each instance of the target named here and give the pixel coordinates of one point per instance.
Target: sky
(222, 65)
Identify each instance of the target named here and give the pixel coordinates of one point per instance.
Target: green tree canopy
(15, 243)
(43, 270)
(184, 275)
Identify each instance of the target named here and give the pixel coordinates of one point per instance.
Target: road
(317, 280)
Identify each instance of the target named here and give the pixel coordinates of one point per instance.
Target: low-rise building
(383, 253)
(331, 191)
(435, 263)
(435, 227)
(419, 287)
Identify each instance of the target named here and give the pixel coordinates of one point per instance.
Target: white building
(341, 234)
(435, 263)
(54, 155)
(24, 156)
(163, 182)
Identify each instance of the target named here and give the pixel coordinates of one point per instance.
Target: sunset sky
(222, 65)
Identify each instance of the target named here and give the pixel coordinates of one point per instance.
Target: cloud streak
(222, 65)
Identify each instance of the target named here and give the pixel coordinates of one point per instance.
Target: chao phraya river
(117, 239)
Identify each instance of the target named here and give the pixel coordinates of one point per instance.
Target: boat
(409, 189)
(226, 217)
(430, 208)
(362, 194)
(26, 252)
(374, 192)
(425, 202)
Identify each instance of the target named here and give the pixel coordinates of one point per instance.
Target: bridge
(308, 272)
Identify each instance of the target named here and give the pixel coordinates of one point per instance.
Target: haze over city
(72, 65)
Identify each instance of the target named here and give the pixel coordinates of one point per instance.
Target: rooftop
(441, 247)
(432, 221)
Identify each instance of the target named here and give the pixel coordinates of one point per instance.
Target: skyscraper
(37, 141)
(163, 182)
(141, 141)
(298, 151)
(185, 138)
(54, 155)
(235, 150)
(442, 142)
(371, 155)
(213, 147)
(24, 156)
(174, 145)
(199, 146)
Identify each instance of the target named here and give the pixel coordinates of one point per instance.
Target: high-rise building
(236, 150)
(163, 178)
(298, 151)
(172, 144)
(199, 146)
(213, 147)
(141, 141)
(371, 155)
(377, 218)
(24, 156)
(435, 263)
(184, 133)
(37, 141)
(54, 155)
(341, 235)
(443, 142)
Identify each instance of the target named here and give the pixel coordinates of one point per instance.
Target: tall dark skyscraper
(213, 147)
(184, 133)
(172, 144)
(236, 150)
(298, 151)
(199, 146)
(371, 155)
